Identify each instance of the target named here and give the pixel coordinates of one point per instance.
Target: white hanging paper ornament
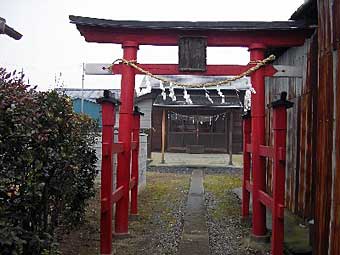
(208, 96)
(139, 91)
(163, 95)
(219, 92)
(147, 88)
(187, 96)
(172, 92)
(247, 98)
(161, 85)
(148, 84)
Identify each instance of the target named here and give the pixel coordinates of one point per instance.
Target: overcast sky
(50, 44)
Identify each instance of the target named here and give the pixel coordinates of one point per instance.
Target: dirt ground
(158, 229)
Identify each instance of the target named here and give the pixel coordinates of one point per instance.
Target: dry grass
(220, 186)
(156, 216)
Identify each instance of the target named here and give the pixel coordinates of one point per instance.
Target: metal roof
(190, 25)
(87, 94)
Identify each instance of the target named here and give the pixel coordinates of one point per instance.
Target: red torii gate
(256, 36)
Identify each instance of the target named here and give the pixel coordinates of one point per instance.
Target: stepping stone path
(195, 238)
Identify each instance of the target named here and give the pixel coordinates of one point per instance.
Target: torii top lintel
(164, 33)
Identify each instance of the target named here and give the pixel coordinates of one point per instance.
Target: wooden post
(124, 136)
(280, 131)
(231, 124)
(257, 51)
(108, 104)
(196, 129)
(163, 136)
(246, 164)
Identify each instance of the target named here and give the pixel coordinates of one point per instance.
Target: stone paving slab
(195, 238)
(195, 160)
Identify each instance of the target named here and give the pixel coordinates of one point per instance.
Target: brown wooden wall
(327, 195)
(313, 138)
(156, 120)
(156, 139)
(301, 126)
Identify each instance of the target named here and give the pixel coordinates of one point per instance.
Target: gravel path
(165, 240)
(227, 235)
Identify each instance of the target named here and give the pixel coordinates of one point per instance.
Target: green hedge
(47, 166)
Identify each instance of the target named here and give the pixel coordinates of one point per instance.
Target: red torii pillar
(257, 51)
(130, 49)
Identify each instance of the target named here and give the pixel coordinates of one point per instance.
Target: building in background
(84, 100)
(203, 126)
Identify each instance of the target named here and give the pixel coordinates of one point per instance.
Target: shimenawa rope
(259, 64)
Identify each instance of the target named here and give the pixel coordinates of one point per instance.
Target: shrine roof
(308, 12)
(191, 25)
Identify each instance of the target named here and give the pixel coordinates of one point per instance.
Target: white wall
(142, 160)
(146, 108)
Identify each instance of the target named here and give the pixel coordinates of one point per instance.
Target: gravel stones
(167, 237)
(227, 235)
(188, 170)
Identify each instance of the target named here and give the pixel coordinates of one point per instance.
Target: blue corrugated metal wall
(90, 108)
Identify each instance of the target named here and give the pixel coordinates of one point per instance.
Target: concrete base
(246, 221)
(134, 217)
(260, 239)
(297, 234)
(120, 235)
(263, 248)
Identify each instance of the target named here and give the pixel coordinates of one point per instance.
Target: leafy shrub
(47, 166)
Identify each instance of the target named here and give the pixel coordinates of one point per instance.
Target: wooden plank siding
(214, 142)
(327, 208)
(335, 224)
(299, 167)
(326, 192)
(156, 141)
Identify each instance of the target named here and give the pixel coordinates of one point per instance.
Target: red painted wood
(124, 136)
(258, 138)
(212, 70)
(266, 199)
(134, 166)
(117, 194)
(280, 211)
(170, 37)
(117, 147)
(279, 128)
(249, 186)
(133, 145)
(108, 121)
(249, 147)
(246, 168)
(106, 149)
(266, 151)
(132, 183)
(281, 153)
